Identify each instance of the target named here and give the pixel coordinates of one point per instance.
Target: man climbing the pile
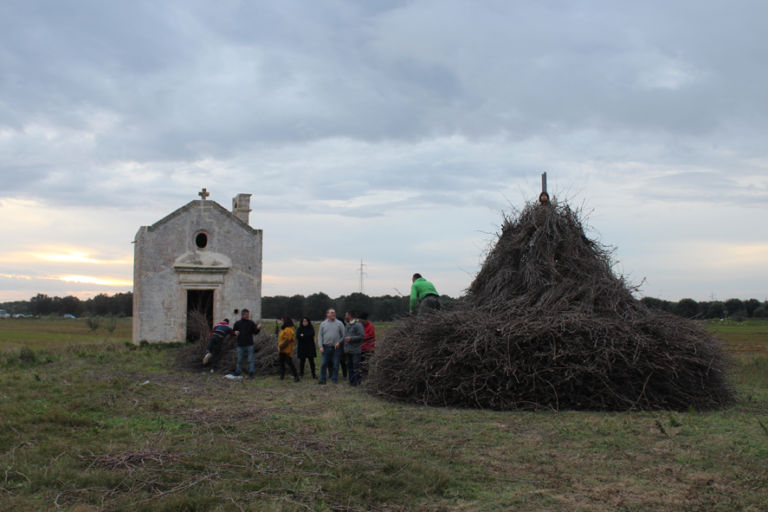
(215, 340)
(423, 294)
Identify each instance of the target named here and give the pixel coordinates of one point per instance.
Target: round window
(201, 240)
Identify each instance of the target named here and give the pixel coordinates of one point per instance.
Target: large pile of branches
(190, 356)
(547, 324)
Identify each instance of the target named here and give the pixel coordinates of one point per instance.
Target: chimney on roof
(241, 206)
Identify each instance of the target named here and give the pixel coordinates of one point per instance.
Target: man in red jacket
(369, 343)
(215, 340)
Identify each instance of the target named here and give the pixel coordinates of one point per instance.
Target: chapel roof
(198, 203)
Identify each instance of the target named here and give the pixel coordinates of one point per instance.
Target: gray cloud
(185, 82)
(356, 110)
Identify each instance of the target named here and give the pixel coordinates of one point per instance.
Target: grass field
(90, 423)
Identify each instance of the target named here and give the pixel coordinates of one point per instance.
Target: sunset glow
(102, 281)
(80, 257)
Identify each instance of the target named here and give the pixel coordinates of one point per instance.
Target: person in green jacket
(423, 294)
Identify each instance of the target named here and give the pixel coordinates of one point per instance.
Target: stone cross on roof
(204, 194)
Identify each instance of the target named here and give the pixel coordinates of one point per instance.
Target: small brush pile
(547, 325)
(265, 360)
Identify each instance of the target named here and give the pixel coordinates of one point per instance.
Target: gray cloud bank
(449, 104)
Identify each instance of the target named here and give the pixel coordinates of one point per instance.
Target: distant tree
(761, 312)
(124, 304)
(388, 307)
(274, 307)
(68, 305)
(340, 305)
(750, 306)
(100, 305)
(447, 302)
(357, 302)
(715, 309)
(41, 304)
(295, 307)
(687, 308)
(17, 306)
(316, 305)
(735, 307)
(654, 303)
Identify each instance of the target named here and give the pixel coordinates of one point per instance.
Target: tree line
(119, 304)
(736, 309)
(383, 308)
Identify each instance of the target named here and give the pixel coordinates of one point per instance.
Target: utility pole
(362, 273)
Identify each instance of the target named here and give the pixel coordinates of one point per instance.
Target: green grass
(100, 425)
(55, 332)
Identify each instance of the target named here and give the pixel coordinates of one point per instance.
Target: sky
(393, 133)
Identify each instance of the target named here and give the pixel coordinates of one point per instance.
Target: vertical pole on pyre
(544, 196)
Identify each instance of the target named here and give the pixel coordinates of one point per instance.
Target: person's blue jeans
(353, 368)
(241, 354)
(330, 359)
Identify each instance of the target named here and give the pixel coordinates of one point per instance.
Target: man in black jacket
(245, 329)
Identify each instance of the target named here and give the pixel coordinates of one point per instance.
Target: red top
(222, 327)
(369, 341)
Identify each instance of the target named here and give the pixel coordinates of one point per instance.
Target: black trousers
(287, 358)
(365, 361)
(214, 347)
(343, 364)
(311, 360)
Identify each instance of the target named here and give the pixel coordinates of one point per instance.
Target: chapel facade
(200, 259)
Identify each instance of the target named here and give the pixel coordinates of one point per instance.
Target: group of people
(347, 345)
(340, 344)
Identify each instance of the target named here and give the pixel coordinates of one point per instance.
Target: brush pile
(190, 356)
(547, 325)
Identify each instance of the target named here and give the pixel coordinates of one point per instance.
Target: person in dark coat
(353, 340)
(306, 348)
(245, 329)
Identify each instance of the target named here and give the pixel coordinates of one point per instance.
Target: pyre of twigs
(546, 324)
(266, 362)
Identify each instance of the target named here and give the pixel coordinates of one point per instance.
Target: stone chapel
(202, 257)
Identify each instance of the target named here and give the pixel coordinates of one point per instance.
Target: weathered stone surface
(168, 263)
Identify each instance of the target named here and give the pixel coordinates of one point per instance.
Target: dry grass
(113, 427)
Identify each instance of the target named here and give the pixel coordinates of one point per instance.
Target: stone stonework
(200, 246)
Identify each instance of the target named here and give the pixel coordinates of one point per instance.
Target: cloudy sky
(392, 132)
